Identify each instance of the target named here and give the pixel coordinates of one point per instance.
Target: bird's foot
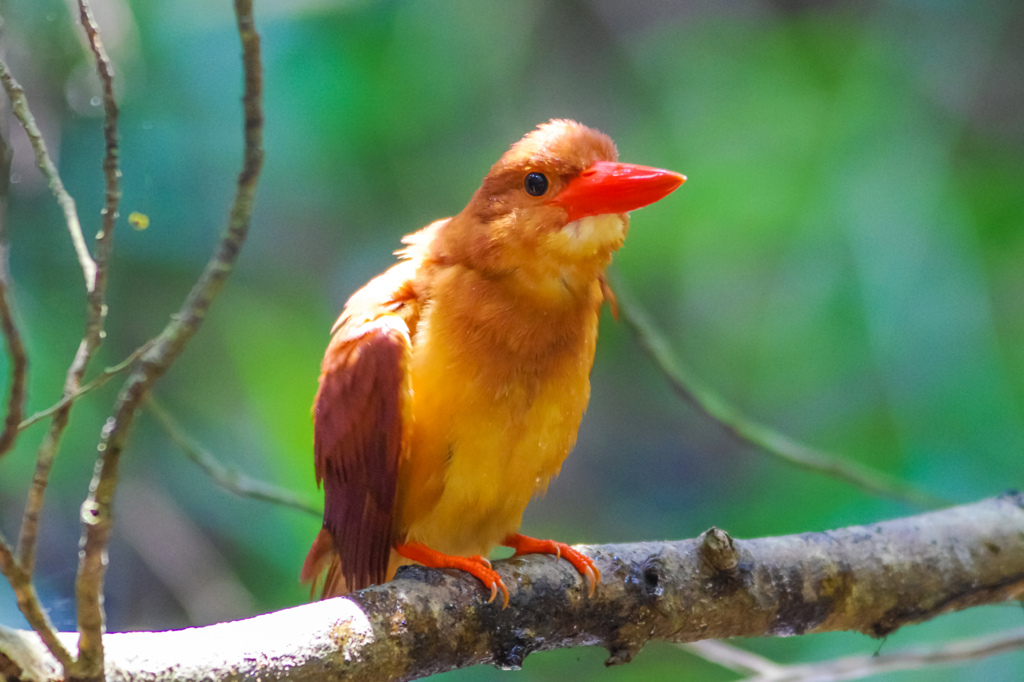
(524, 544)
(477, 566)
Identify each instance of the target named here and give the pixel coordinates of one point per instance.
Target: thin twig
(17, 358)
(111, 172)
(96, 516)
(99, 380)
(732, 657)
(51, 442)
(19, 105)
(12, 336)
(857, 667)
(44, 463)
(28, 602)
(228, 478)
(766, 439)
(96, 307)
(94, 272)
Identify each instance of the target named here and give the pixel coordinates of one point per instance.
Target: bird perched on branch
(455, 382)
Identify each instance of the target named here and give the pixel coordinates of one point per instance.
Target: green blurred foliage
(846, 263)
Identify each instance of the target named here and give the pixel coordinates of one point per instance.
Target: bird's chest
(496, 409)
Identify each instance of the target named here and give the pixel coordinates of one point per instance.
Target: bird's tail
(323, 560)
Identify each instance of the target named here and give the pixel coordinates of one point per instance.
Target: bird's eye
(536, 184)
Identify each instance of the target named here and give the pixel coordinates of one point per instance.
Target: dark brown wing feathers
(358, 441)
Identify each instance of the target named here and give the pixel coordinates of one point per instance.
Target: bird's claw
(477, 566)
(483, 561)
(523, 544)
(593, 576)
(489, 577)
(499, 584)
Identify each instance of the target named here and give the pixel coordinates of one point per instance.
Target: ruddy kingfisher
(454, 383)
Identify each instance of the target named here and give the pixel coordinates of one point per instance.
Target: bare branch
(765, 439)
(762, 669)
(732, 657)
(96, 516)
(102, 378)
(95, 274)
(17, 358)
(232, 480)
(856, 667)
(872, 579)
(28, 603)
(44, 463)
(19, 105)
(111, 172)
(96, 312)
(51, 443)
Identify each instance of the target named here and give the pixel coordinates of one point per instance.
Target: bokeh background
(845, 263)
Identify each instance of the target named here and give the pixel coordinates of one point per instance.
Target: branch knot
(718, 551)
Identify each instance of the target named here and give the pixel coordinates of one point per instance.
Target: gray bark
(872, 579)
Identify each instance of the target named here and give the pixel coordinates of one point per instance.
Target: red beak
(608, 187)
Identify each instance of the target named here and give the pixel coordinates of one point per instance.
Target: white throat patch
(593, 233)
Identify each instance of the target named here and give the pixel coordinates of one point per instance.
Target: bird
(454, 383)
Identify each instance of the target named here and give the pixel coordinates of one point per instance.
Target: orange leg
(476, 566)
(523, 544)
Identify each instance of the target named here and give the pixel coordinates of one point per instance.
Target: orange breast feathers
(455, 382)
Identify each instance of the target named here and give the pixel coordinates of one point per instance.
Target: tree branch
(856, 667)
(229, 479)
(872, 579)
(111, 171)
(19, 570)
(95, 282)
(766, 439)
(732, 657)
(15, 353)
(99, 380)
(19, 105)
(96, 514)
(28, 603)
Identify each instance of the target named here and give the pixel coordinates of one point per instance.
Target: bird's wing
(361, 416)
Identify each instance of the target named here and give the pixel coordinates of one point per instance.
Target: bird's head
(554, 206)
